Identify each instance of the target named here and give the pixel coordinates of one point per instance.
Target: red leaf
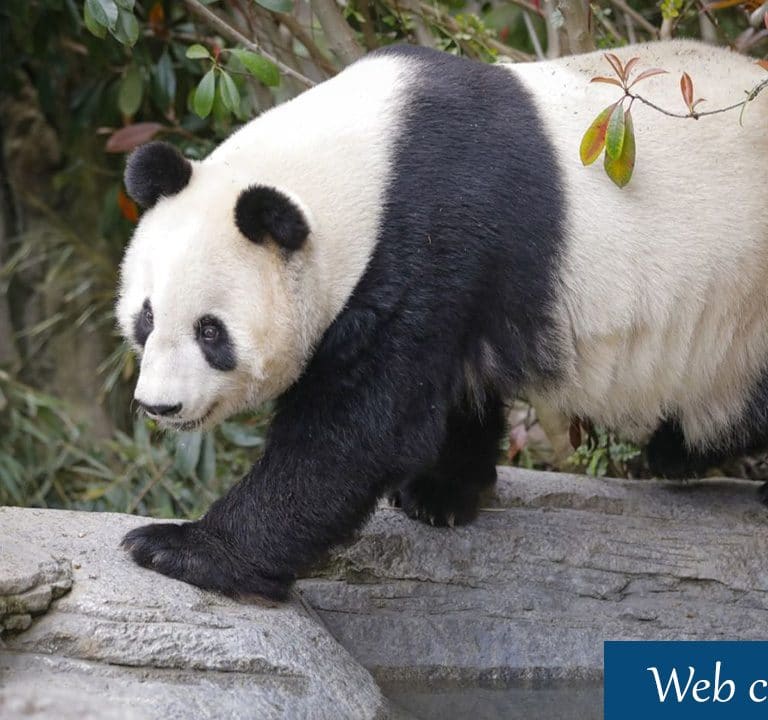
(593, 142)
(131, 136)
(630, 66)
(156, 17)
(128, 208)
(686, 87)
(764, 63)
(615, 64)
(648, 73)
(610, 81)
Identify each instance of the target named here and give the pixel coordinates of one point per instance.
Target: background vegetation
(83, 82)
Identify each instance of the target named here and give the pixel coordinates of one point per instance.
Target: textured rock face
(501, 619)
(557, 564)
(127, 643)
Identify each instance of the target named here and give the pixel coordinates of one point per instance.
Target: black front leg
(337, 440)
(448, 491)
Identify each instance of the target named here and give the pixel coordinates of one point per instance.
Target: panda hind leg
(448, 492)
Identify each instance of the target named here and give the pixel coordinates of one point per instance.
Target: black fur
(156, 170)
(461, 284)
(263, 212)
(212, 337)
(143, 323)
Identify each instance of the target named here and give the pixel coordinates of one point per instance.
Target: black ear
(262, 211)
(156, 170)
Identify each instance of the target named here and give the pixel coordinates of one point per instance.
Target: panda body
(395, 252)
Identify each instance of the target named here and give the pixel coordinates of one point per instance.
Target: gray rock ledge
(508, 613)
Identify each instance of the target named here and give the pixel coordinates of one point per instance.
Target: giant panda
(397, 251)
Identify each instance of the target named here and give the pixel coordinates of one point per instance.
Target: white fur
(664, 287)
(329, 150)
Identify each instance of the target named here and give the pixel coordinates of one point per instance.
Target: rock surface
(524, 597)
(128, 643)
(502, 619)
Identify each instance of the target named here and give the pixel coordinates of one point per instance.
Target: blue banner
(685, 679)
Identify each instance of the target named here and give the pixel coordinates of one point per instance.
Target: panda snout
(160, 410)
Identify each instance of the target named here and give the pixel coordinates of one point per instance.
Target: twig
(423, 35)
(532, 34)
(294, 27)
(340, 36)
(369, 36)
(629, 23)
(553, 34)
(637, 17)
(227, 31)
(452, 25)
(751, 95)
(608, 25)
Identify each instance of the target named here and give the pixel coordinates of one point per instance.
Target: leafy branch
(612, 130)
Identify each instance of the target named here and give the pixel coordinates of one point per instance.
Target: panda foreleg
(448, 491)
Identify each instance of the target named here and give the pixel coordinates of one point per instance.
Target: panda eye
(209, 333)
(149, 317)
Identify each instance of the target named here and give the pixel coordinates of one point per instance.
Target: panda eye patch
(144, 323)
(214, 341)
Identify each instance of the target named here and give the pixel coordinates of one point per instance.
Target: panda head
(212, 288)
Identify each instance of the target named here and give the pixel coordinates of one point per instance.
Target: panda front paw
(192, 553)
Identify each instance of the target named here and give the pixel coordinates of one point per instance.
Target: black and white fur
(395, 252)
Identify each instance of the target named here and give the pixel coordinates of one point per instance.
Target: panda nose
(160, 410)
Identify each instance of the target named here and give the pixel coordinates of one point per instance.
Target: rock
(129, 643)
(525, 596)
(30, 578)
(510, 612)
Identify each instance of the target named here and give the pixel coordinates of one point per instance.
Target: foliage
(47, 460)
(108, 75)
(602, 453)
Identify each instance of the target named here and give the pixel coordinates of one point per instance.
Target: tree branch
(650, 28)
(751, 95)
(576, 16)
(340, 36)
(423, 35)
(227, 31)
(295, 28)
(452, 25)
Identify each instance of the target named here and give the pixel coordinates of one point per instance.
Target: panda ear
(156, 170)
(262, 211)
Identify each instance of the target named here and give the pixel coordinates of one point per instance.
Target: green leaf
(187, 453)
(131, 91)
(240, 435)
(197, 52)
(593, 142)
(229, 93)
(261, 68)
(206, 89)
(281, 6)
(126, 4)
(104, 12)
(206, 469)
(126, 28)
(164, 81)
(620, 169)
(614, 137)
(93, 25)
